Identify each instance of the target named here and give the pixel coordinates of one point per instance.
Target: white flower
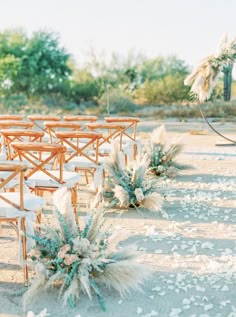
(139, 194)
(160, 168)
(171, 171)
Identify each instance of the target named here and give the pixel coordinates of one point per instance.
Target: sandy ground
(191, 245)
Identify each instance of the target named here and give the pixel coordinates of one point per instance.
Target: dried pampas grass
(162, 155)
(131, 186)
(204, 78)
(81, 260)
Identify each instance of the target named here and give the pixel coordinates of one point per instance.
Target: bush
(119, 102)
(169, 89)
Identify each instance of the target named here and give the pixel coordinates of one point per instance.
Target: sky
(189, 29)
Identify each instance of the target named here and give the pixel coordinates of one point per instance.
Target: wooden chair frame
(129, 122)
(15, 135)
(37, 119)
(14, 170)
(54, 126)
(55, 154)
(113, 130)
(80, 149)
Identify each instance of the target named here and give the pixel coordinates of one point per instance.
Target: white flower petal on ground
(139, 310)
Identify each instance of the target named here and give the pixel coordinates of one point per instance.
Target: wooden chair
(109, 131)
(9, 124)
(47, 171)
(129, 125)
(82, 155)
(53, 126)
(17, 208)
(16, 135)
(129, 133)
(39, 123)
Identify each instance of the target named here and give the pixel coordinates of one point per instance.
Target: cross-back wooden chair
(129, 125)
(110, 132)
(16, 124)
(18, 208)
(16, 135)
(82, 156)
(129, 133)
(54, 126)
(47, 172)
(39, 123)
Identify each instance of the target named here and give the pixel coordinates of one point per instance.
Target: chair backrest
(11, 117)
(40, 156)
(13, 170)
(81, 119)
(87, 149)
(53, 126)
(13, 135)
(39, 120)
(7, 124)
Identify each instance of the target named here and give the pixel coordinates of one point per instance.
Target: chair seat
(80, 162)
(40, 179)
(31, 203)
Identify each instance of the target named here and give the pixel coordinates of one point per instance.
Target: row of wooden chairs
(72, 146)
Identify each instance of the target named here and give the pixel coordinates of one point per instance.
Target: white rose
(139, 194)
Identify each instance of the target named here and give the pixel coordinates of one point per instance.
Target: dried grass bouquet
(162, 155)
(130, 185)
(80, 260)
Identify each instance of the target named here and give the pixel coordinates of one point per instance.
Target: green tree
(40, 65)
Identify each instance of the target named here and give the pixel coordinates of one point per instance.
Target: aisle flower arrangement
(76, 259)
(130, 185)
(162, 155)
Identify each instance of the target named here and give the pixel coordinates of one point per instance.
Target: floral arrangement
(80, 260)
(131, 186)
(204, 78)
(162, 155)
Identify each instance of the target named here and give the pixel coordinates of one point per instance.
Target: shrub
(119, 102)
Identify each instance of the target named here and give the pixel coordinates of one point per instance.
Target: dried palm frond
(162, 155)
(204, 78)
(130, 185)
(80, 260)
(124, 274)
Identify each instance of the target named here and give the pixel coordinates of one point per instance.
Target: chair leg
(74, 200)
(86, 176)
(24, 251)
